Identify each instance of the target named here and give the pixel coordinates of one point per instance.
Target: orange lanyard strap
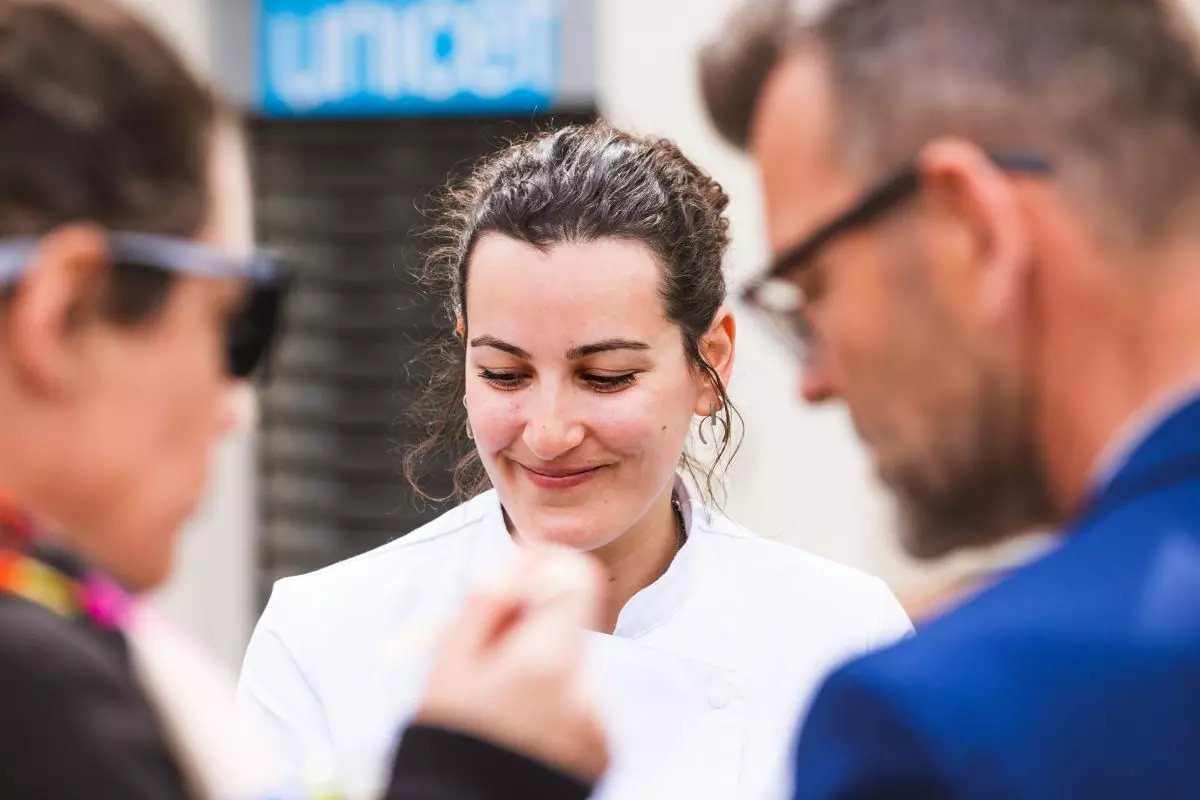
(30, 572)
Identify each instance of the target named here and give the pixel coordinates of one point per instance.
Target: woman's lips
(546, 478)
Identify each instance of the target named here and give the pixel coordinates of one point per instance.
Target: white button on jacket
(702, 685)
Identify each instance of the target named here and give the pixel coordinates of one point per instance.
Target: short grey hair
(1108, 89)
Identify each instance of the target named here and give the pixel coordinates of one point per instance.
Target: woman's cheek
(497, 424)
(634, 424)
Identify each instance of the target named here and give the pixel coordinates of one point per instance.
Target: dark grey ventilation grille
(341, 200)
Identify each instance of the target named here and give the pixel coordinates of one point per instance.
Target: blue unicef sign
(394, 57)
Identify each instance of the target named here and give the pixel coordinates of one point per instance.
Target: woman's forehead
(598, 270)
(565, 294)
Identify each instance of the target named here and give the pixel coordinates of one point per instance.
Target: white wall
(212, 591)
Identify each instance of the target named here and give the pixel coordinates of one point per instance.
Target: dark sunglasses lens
(253, 330)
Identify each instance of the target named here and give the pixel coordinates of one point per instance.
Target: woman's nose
(551, 431)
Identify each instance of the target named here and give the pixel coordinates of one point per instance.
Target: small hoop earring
(711, 420)
(470, 433)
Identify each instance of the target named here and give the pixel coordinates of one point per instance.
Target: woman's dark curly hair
(575, 184)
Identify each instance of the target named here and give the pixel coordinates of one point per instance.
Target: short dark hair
(576, 184)
(101, 121)
(1107, 88)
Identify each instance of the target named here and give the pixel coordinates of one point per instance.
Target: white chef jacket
(701, 686)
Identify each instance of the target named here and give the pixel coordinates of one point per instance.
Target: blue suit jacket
(1076, 677)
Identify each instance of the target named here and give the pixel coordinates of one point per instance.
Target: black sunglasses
(252, 331)
(779, 300)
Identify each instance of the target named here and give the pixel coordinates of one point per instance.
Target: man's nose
(816, 384)
(239, 408)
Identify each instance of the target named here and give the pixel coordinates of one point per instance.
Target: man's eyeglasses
(776, 297)
(251, 332)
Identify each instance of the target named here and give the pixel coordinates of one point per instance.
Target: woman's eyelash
(509, 380)
(501, 378)
(611, 381)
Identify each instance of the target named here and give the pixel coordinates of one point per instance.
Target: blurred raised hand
(511, 667)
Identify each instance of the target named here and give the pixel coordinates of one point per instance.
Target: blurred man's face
(901, 334)
(122, 418)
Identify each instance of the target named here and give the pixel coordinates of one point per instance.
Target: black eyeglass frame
(898, 186)
(252, 331)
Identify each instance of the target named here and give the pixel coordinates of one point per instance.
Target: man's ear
(55, 295)
(984, 201)
(717, 349)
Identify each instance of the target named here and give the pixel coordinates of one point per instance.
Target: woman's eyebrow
(583, 351)
(502, 346)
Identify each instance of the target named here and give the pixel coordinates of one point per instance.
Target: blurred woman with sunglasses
(588, 333)
(130, 312)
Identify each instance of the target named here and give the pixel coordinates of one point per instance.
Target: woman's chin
(570, 537)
